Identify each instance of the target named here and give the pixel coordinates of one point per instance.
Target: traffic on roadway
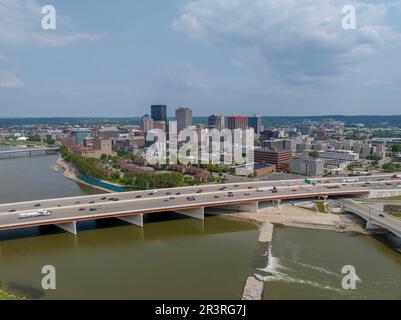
(137, 202)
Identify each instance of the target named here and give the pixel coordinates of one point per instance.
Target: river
(171, 258)
(178, 258)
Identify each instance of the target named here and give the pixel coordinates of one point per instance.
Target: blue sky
(116, 58)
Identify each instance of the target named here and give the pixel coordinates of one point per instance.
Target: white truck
(34, 214)
(350, 180)
(266, 188)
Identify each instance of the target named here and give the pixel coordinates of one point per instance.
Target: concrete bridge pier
(136, 220)
(197, 213)
(277, 203)
(372, 226)
(70, 227)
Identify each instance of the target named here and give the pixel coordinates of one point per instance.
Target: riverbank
(5, 294)
(291, 216)
(71, 173)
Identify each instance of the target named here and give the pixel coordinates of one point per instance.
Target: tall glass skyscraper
(159, 113)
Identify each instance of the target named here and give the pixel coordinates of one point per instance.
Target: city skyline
(179, 53)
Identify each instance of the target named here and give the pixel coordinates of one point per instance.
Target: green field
(320, 206)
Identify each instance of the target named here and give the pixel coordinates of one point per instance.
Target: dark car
(381, 215)
(77, 202)
(92, 209)
(172, 198)
(191, 198)
(217, 197)
(92, 202)
(274, 190)
(250, 187)
(199, 191)
(12, 210)
(168, 193)
(138, 197)
(37, 205)
(178, 193)
(230, 195)
(104, 198)
(166, 200)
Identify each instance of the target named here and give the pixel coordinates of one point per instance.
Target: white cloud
(10, 81)
(302, 41)
(185, 76)
(20, 24)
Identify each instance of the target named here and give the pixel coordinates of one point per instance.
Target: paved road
(67, 209)
(374, 216)
(380, 181)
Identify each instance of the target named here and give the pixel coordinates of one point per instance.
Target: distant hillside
(369, 121)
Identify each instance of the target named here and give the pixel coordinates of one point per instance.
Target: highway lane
(158, 204)
(381, 180)
(369, 214)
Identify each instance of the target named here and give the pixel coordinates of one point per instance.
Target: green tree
(396, 148)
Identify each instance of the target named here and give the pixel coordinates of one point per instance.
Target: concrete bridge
(375, 219)
(27, 152)
(189, 201)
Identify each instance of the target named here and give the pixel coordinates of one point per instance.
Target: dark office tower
(255, 122)
(216, 122)
(159, 113)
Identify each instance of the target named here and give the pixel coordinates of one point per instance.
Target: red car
(81, 209)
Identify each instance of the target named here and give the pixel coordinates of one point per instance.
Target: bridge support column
(277, 203)
(136, 220)
(70, 227)
(371, 226)
(197, 213)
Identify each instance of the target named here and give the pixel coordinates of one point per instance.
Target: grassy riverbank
(6, 295)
